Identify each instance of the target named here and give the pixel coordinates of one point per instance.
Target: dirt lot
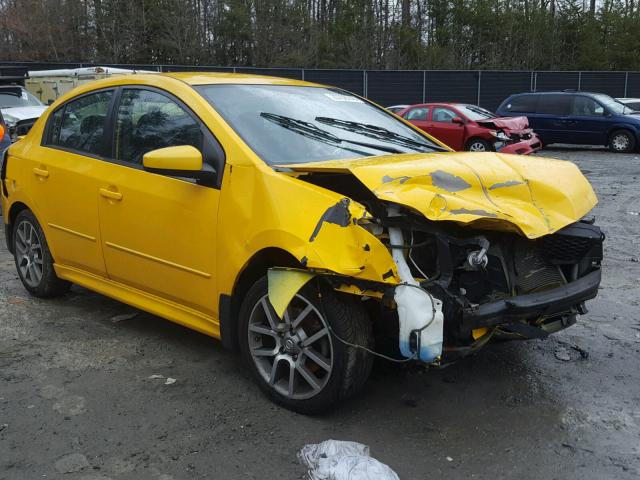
(85, 390)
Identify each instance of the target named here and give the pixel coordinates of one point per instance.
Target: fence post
(302, 70)
(534, 80)
(479, 82)
(626, 82)
(579, 81)
(365, 86)
(424, 86)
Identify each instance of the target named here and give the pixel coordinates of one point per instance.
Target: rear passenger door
(552, 118)
(65, 180)
(419, 117)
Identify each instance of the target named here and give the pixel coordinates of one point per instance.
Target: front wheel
(33, 258)
(622, 141)
(478, 145)
(297, 359)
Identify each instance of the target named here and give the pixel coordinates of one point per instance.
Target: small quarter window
(80, 124)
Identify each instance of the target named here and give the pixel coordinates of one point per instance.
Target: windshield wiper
(310, 130)
(380, 133)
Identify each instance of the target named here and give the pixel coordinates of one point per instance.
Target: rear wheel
(478, 145)
(297, 359)
(33, 258)
(622, 141)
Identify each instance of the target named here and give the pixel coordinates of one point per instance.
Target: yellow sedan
(296, 222)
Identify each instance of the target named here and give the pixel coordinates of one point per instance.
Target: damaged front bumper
(524, 146)
(533, 305)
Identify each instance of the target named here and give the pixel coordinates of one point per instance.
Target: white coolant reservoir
(417, 309)
(420, 314)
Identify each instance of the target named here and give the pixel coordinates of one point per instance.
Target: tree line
(360, 34)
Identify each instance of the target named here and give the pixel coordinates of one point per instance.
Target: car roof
(562, 92)
(208, 78)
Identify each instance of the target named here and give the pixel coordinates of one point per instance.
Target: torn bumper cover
(533, 305)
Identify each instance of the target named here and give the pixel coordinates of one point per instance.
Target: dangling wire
(355, 345)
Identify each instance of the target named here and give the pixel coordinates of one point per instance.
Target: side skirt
(144, 301)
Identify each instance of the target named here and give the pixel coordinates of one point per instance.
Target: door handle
(111, 194)
(41, 172)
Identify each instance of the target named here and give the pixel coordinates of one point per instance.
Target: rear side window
(149, 120)
(522, 103)
(555, 104)
(419, 113)
(79, 125)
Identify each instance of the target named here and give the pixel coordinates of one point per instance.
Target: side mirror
(181, 161)
(457, 120)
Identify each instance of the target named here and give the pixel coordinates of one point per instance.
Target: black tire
(478, 145)
(622, 141)
(48, 284)
(350, 366)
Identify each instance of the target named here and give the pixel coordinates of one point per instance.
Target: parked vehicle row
(525, 122)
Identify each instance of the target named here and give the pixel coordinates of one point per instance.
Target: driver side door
(444, 129)
(159, 232)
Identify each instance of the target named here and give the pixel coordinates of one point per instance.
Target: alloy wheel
(293, 354)
(29, 254)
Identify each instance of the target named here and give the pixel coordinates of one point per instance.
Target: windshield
(475, 113)
(17, 97)
(611, 104)
(295, 124)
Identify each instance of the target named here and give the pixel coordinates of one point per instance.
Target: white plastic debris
(342, 460)
(170, 381)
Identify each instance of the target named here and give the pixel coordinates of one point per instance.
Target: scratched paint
(448, 181)
(508, 183)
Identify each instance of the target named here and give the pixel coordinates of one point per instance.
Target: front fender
(261, 209)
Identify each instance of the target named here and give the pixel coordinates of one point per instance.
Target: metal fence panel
(633, 85)
(394, 87)
(451, 86)
(496, 86)
(611, 83)
(554, 81)
(351, 80)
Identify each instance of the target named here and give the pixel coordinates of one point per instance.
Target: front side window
(148, 120)
(419, 113)
(299, 124)
(586, 107)
(443, 115)
(79, 125)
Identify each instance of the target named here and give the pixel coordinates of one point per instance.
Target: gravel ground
(91, 389)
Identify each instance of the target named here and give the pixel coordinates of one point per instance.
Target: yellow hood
(533, 195)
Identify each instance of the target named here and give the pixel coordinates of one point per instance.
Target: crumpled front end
(512, 135)
(484, 246)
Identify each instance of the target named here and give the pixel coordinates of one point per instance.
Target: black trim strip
(532, 305)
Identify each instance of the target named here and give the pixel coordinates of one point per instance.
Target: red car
(467, 127)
